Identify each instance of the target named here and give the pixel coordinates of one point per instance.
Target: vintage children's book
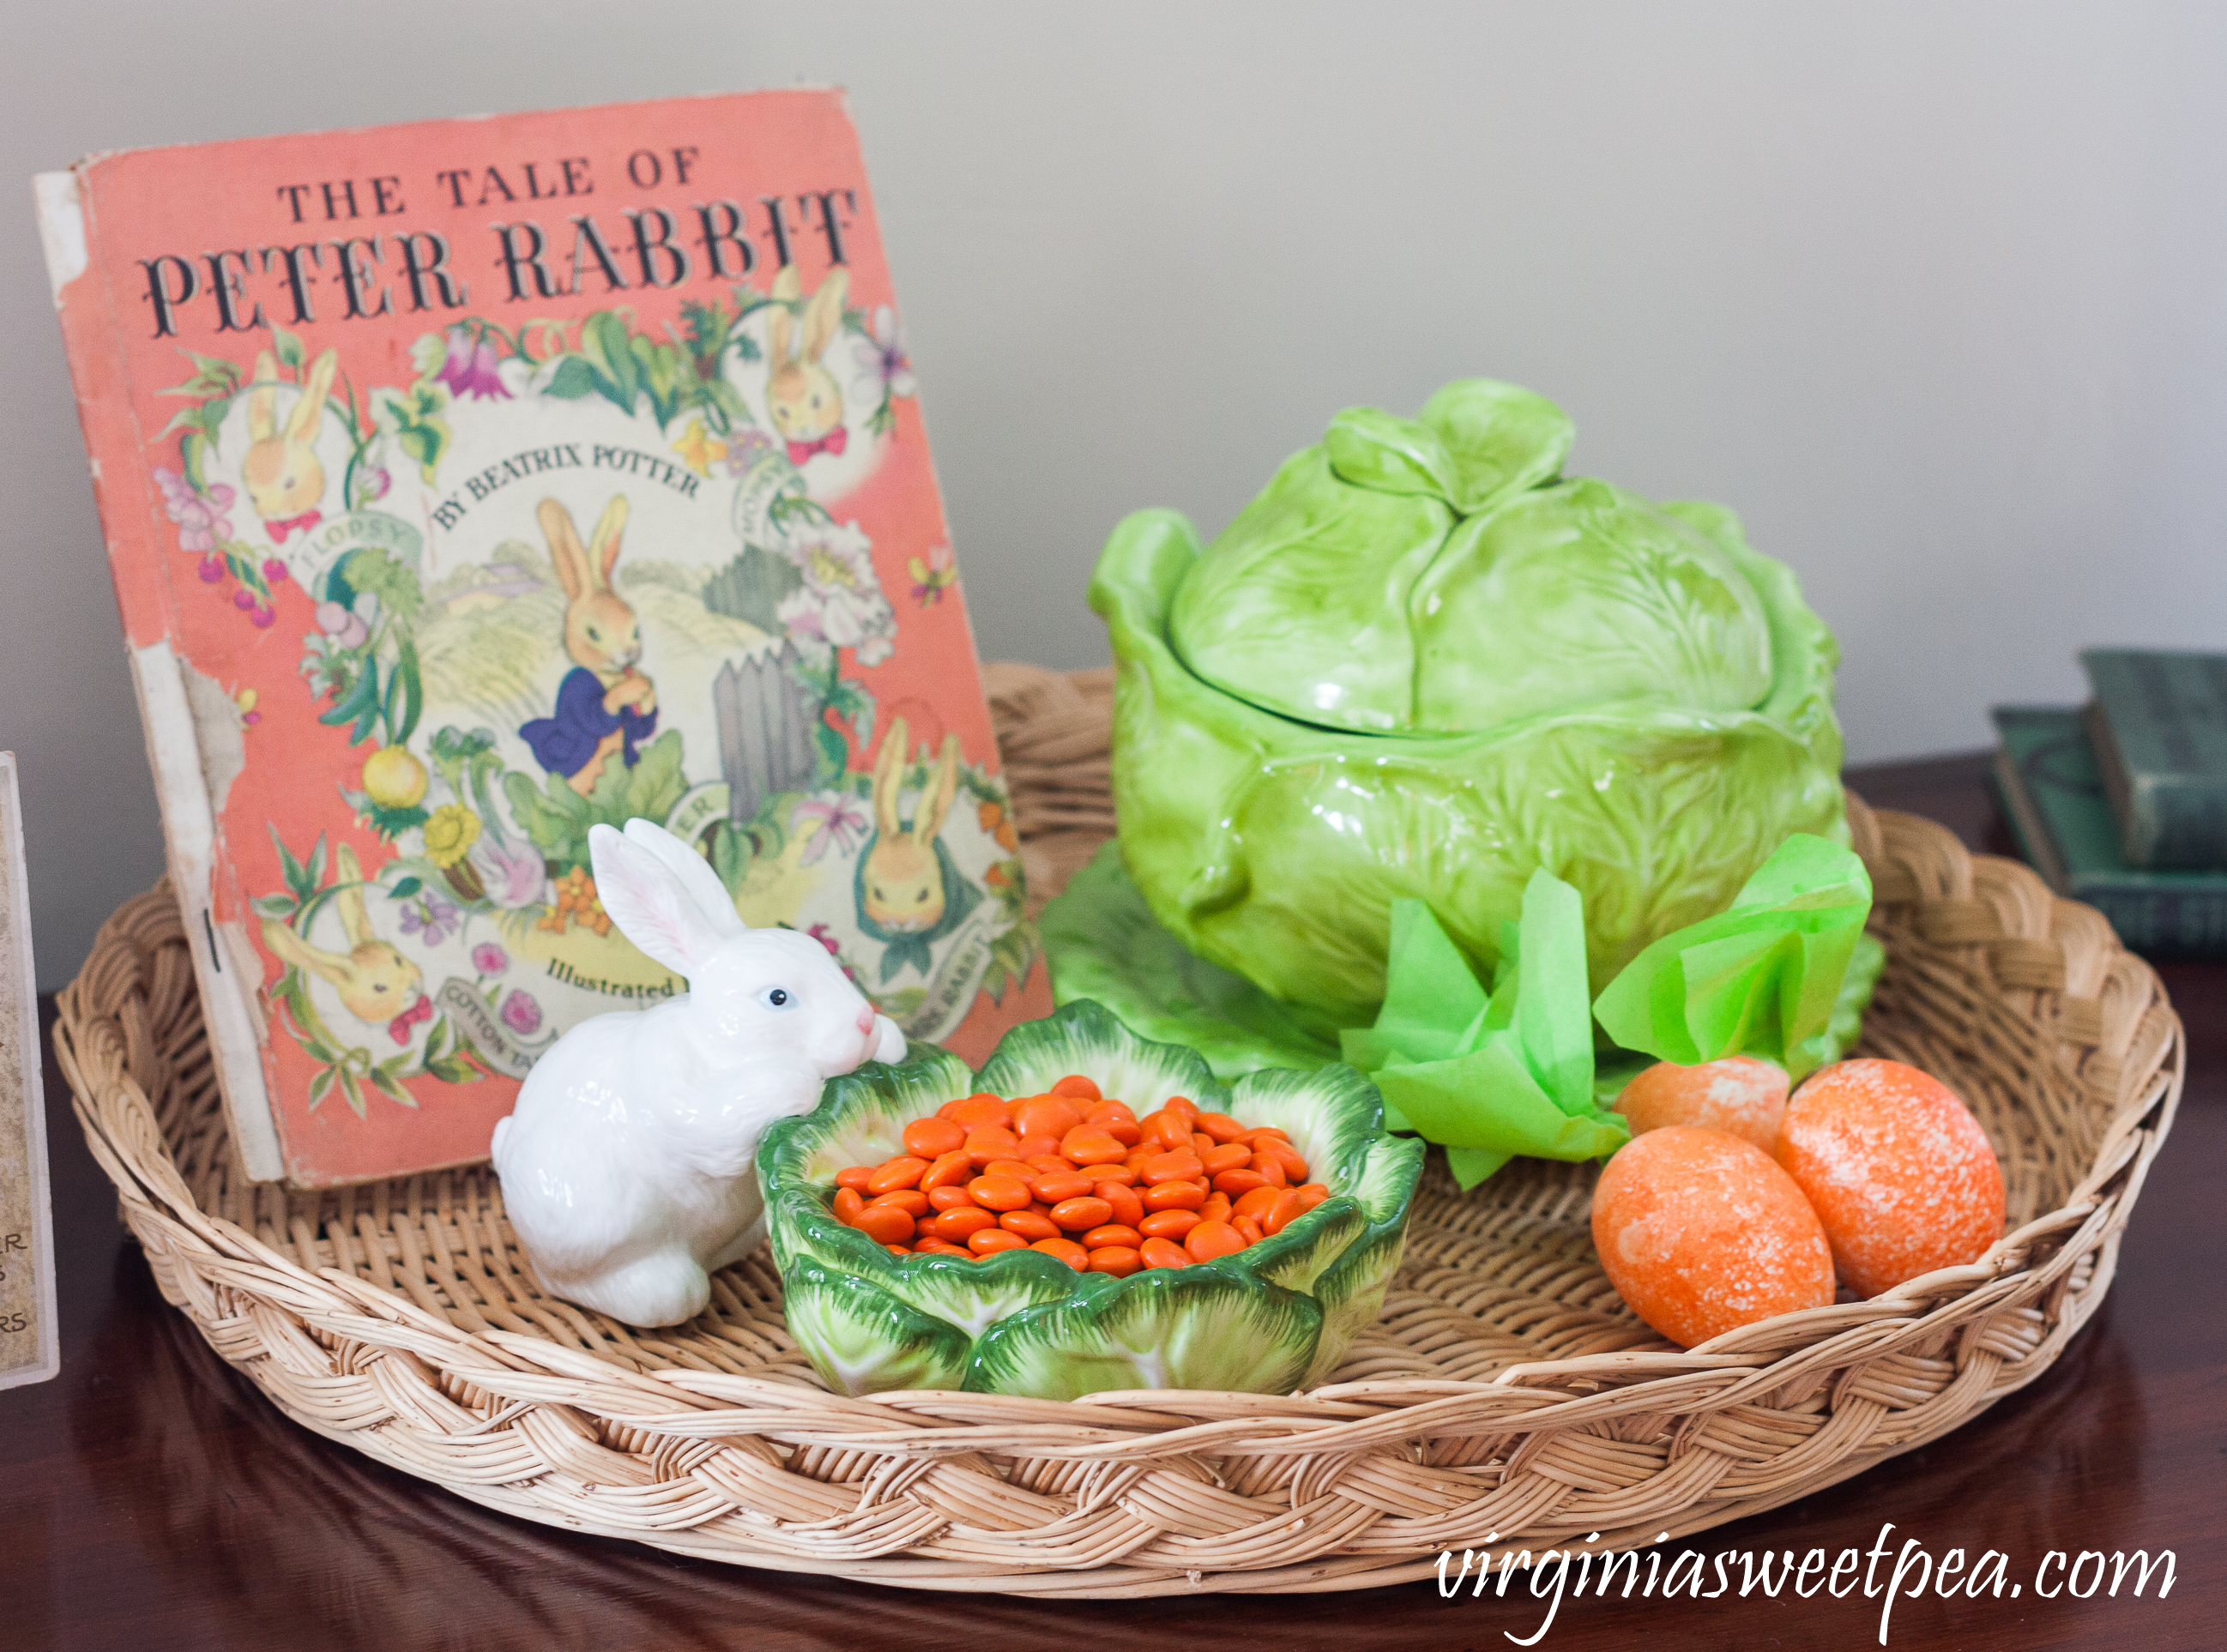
(469, 484)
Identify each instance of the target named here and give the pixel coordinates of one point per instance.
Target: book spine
(2126, 791)
(132, 522)
(2155, 724)
(2171, 923)
(2184, 824)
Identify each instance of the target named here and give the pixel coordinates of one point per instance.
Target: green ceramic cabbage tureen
(1423, 663)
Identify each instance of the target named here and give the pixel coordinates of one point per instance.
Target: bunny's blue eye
(776, 998)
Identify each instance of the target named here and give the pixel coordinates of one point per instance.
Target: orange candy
(957, 1227)
(1079, 1216)
(933, 1138)
(1260, 1200)
(1175, 1195)
(986, 1142)
(1079, 1177)
(950, 1170)
(1030, 1224)
(1182, 1165)
(1168, 1224)
(1068, 1252)
(1121, 1200)
(1740, 1095)
(1212, 1239)
(978, 1109)
(1053, 1189)
(1045, 1115)
(1700, 1231)
(884, 1224)
(1087, 1145)
(1233, 1155)
(999, 1192)
(1898, 1170)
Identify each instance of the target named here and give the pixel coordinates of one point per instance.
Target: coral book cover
(468, 484)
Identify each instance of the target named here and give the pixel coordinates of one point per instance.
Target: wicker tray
(1506, 1391)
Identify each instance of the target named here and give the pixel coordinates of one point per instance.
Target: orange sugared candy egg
(1896, 1167)
(1699, 1231)
(1740, 1095)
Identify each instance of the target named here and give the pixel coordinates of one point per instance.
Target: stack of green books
(2122, 803)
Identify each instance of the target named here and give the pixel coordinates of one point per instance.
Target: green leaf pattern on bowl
(1267, 1319)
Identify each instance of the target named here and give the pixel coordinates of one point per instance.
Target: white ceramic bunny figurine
(628, 1165)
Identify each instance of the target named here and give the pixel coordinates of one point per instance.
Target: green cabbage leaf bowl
(1422, 663)
(1273, 1318)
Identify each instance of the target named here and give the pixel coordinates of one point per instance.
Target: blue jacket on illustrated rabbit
(605, 707)
(627, 1165)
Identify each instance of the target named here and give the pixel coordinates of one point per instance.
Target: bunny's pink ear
(694, 872)
(651, 906)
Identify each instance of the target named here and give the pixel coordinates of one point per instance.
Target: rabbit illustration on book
(605, 707)
(909, 893)
(285, 480)
(377, 984)
(803, 397)
(627, 1165)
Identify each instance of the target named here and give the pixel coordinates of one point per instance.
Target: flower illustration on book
(698, 449)
(347, 629)
(430, 918)
(881, 353)
(472, 369)
(931, 578)
(489, 959)
(992, 818)
(449, 832)
(744, 447)
(198, 514)
(839, 604)
(522, 1014)
(515, 874)
(833, 821)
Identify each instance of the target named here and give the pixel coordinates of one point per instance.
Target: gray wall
(1932, 294)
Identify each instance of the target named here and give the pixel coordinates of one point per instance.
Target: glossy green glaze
(1268, 1319)
(1330, 708)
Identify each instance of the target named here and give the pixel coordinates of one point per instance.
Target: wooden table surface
(149, 1497)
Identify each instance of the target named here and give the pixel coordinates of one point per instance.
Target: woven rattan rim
(1506, 1390)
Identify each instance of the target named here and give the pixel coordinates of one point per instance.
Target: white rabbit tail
(627, 1165)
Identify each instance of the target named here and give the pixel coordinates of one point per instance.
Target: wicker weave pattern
(1506, 1390)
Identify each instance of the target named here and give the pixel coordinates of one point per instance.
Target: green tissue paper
(1489, 1075)
(1764, 977)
